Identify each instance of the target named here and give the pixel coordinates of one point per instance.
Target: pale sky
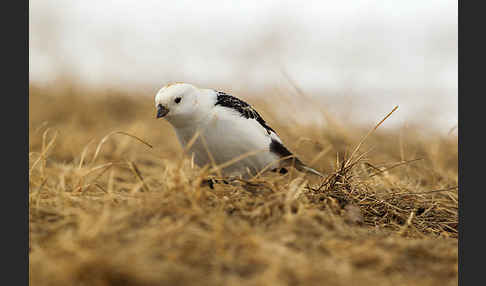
(392, 52)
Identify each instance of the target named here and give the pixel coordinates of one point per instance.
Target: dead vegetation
(108, 209)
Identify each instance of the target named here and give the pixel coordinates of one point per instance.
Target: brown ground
(109, 210)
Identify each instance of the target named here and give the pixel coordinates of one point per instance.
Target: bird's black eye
(177, 100)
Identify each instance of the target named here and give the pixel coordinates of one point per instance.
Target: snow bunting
(226, 128)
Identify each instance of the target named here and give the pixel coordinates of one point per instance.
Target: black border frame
(15, 210)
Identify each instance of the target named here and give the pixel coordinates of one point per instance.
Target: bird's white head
(179, 103)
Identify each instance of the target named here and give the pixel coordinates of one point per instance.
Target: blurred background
(357, 59)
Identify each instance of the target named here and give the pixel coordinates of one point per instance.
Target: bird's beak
(161, 111)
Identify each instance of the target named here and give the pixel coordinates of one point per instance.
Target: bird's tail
(304, 168)
(296, 163)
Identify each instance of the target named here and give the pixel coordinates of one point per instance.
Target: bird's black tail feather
(279, 149)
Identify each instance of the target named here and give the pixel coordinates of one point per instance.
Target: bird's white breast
(228, 135)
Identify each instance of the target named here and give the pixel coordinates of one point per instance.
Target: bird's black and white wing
(247, 111)
(275, 143)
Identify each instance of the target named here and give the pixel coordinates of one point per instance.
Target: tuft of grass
(113, 201)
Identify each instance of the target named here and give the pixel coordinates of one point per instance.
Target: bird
(224, 127)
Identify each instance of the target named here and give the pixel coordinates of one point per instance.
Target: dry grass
(110, 210)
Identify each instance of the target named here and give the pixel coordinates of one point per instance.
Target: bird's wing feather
(247, 111)
(275, 143)
(243, 108)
